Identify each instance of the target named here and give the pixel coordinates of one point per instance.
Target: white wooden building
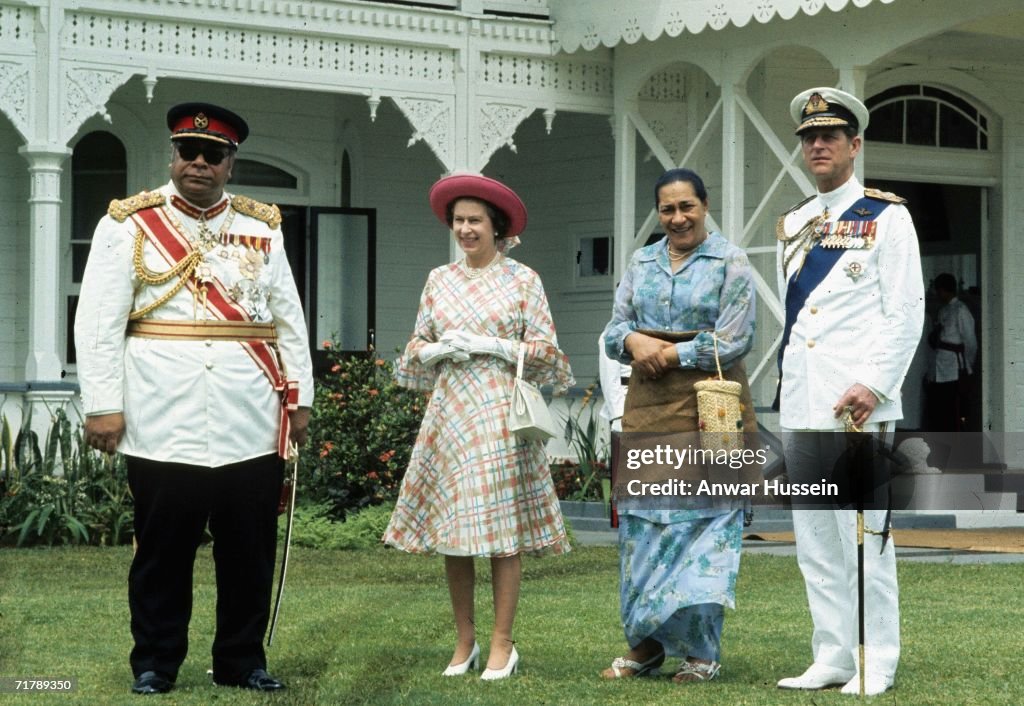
(357, 107)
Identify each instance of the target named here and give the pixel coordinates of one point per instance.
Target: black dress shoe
(257, 680)
(152, 683)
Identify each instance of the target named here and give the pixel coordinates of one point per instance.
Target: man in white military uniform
(850, 276)
(193, 360)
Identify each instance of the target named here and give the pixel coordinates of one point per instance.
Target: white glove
(481, 345)
(433, 353)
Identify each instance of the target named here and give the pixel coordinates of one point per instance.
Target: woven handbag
(719, 413)
(529, 417)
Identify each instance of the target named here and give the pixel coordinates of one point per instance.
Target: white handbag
(529, 417)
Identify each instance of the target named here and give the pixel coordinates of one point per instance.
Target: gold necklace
(678, 256)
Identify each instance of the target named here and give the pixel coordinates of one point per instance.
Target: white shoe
(509, 669)
(455, 670)
(817, 676)
(874, 684)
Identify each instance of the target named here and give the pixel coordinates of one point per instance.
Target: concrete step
(770, 520)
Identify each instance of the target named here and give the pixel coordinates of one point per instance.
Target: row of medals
(250, 258)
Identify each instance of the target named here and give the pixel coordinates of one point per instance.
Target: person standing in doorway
(955, 347)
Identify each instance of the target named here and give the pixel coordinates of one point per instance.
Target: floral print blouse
(712, 291)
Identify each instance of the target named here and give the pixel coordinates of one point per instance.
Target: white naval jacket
(852, 330)
(204, 403)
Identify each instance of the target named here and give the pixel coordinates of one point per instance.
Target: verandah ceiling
(591, 23)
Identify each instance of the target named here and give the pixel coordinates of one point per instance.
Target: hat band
(212, 136)
(186, 126)
(825, 121)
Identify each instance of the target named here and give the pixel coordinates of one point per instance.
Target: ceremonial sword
(288, 495)
(850, 427)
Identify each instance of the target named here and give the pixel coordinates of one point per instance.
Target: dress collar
(713, 246)
(192, 211)
(841, 197)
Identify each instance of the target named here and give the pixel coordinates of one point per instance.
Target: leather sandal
(696, 671)
(638, 669)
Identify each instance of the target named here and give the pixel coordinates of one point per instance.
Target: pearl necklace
(475, 272)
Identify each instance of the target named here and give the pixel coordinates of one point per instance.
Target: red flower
(372, 393)
(387, 456)
(326, 448)
(326, 344)
(372, 475)
(335, 368)
(378, 362)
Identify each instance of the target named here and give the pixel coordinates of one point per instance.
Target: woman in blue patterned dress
(679, 560)
(472, 488)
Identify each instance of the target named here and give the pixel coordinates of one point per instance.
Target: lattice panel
(580, 77)
(667, 85)
(254, 48)
(16, 27)
(14, 88)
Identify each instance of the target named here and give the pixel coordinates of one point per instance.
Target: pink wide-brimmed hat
(477, 186)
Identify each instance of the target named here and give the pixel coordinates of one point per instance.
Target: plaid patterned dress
(473, 488)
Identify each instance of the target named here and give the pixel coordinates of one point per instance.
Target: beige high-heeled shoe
(457, 670)
(510, 668)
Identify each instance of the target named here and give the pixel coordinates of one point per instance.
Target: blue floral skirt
(675, 579)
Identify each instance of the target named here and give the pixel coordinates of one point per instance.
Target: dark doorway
(949, 220)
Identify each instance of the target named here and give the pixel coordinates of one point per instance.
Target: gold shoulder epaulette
(266, 212)
(780, 229)
(120, 209)
(884, 196)
(786, 213)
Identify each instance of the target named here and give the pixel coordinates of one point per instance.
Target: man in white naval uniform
(849, 273)
(193, 360)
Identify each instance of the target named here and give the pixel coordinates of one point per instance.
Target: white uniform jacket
(958, 329)
(204, 403)
(861, 324)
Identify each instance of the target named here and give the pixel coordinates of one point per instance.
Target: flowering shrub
(361, 434)
(589, 476)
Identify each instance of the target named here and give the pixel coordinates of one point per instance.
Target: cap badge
(854, 270)
(200, 121)
(862, 211)
(815, 104)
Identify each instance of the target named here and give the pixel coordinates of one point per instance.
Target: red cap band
(206, 124)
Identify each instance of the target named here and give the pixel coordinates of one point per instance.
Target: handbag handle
(519, 360)
(718, 364)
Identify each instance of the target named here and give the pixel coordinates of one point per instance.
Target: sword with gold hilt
(288, 488)
(852, 428)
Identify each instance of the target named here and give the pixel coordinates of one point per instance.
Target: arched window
(925, 115)
(99, 173)
(249, 172)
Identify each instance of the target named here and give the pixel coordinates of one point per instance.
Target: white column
(732, 164)
(625, 187)
(44, 363)
(852, 80)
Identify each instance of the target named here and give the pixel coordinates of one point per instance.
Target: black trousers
(945, 407)
(174, 502)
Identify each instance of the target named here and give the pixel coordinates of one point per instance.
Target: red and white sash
(174, 246)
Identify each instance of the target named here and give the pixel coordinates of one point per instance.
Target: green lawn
(373, 627)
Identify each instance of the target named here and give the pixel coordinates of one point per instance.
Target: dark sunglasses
(212, 154)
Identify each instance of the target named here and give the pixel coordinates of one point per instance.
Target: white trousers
(826, 545)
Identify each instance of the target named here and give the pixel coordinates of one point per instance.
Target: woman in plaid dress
(473, 488)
